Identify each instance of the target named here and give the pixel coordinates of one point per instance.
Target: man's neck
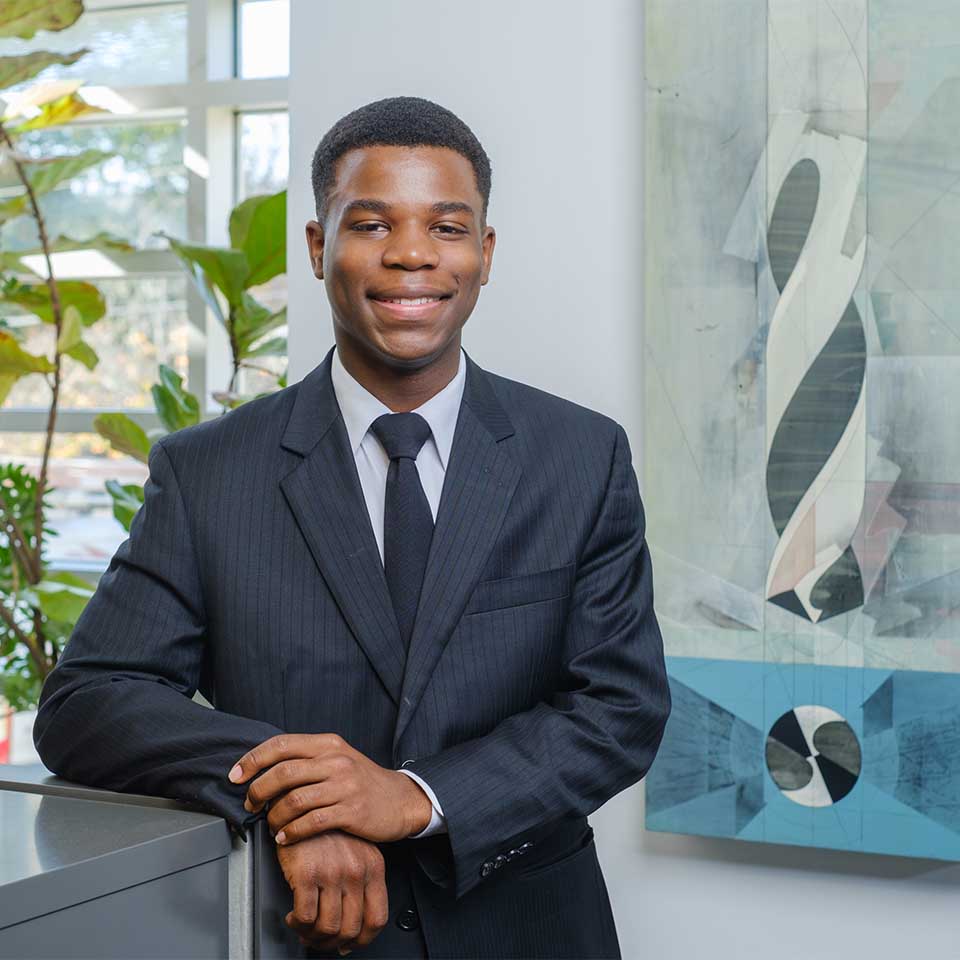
(400, 390)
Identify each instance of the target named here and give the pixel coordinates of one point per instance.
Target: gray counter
(88, 872)
(71, 855)
(88, 878)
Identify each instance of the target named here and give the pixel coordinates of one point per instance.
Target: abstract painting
(801, 449)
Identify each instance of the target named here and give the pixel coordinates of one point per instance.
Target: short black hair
(397, 122)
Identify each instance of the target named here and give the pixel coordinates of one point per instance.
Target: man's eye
(366, 226)
(446, 226)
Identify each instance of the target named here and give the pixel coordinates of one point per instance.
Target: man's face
(402, 223)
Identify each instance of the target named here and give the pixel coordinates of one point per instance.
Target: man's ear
(487, 244)
(314, 232)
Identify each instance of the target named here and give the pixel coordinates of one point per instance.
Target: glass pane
(264, 153)
(128, 46)
(264, 38)
(81, 509)
(145, 325)
(133, 194)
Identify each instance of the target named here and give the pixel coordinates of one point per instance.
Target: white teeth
(418, 300)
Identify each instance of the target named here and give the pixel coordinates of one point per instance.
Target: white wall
(554, 92)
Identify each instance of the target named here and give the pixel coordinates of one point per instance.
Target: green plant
(37, 608)
(224, 276)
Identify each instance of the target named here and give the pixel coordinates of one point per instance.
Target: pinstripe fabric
(534, 688)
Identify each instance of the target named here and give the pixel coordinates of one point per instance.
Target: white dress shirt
(360, 408)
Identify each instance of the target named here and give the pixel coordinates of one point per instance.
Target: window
(182, 127)
(264, 38)
(129, 44)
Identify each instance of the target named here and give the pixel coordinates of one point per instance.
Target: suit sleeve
(117, 709)
(595, 737)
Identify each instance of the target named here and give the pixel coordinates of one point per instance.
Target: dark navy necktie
(407, 520)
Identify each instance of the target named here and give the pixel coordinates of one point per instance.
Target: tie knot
(402, 434)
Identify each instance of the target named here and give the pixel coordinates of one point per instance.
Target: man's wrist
(417, 808)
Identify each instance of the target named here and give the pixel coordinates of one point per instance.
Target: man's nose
(410, 248)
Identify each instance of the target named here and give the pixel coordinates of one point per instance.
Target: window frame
(211, 100)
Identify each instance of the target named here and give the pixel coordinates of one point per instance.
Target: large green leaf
(123, 434)
(23, 18)
(127, 500)
(14, 207)
(7, 380)
(225, 269)
(258, 227)
(35, 297)
(252, 321)
(71, 330)
(14, 70)
(102, 241)
(15, 361)
(63, 595)
(45, 174)
(71, 340)
(203, 284)
(21, 104)
(64, 109)
(273, 347)
(176, 407)
(83, 352)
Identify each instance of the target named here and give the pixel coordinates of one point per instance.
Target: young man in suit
(417, 594)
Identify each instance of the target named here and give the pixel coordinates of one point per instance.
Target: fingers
(285, 777)
(299, 801)
(351, 914)
(305, 905)
(362, 913)
(376, 909)
(328, 918)
(338, 920)
(314, 822)
(284, 746)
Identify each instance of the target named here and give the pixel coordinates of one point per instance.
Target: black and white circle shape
(813, 756)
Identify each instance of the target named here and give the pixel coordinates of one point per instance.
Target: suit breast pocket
(553, 584)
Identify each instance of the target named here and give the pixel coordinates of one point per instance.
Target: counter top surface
(59, 850)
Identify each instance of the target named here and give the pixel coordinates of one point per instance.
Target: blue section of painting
(710, 775)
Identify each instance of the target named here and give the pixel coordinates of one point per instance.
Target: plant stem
(36, 568)
(37, 654)
(14, 533)
(254, 366)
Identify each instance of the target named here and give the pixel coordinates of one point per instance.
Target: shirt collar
(360, 408)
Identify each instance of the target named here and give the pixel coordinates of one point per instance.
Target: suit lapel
(479, 482)
(326, 497)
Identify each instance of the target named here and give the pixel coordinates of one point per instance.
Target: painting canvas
(802, 445)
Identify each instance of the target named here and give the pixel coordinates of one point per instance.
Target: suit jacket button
(486, 869)
(498, 861)
(408, 920)
(406, 763)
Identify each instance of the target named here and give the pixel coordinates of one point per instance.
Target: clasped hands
(324, 791)
(325, 784)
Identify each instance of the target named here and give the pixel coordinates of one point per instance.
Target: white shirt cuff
(437, 822)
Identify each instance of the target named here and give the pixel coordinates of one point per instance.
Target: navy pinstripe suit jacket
(534, 688)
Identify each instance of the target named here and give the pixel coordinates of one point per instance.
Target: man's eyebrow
(381, 206)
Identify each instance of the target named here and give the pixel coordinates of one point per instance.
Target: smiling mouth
(410, 301)
(410, 308)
